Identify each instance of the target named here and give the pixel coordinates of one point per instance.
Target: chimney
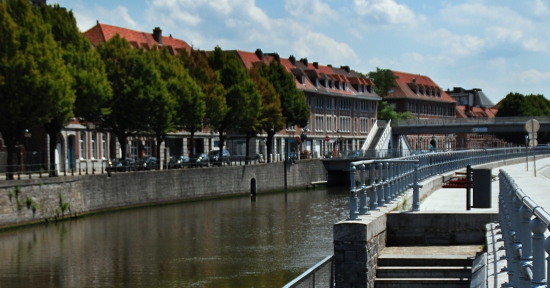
(414, 80)
(292, 59)
(157, 35)
(304, 60)
(316, 65)
(259, 53)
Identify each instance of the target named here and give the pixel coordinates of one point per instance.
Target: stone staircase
(426, 266)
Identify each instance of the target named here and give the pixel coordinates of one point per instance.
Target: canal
(262, 241)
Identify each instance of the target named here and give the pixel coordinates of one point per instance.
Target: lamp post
(27, 135)
(340, 141)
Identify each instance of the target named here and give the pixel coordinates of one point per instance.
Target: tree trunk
(10, 147)
(192, 144)
(122, 140)
(269, 144)
(160, 140)
(53, 145)
(247, 146)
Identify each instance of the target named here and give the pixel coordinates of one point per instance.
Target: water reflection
(264, 241)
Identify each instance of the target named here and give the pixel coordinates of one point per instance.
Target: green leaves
(384, 81)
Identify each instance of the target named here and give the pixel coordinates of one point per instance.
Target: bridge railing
(320, 275)
(523, 224)
(389, 178)
(467, 121)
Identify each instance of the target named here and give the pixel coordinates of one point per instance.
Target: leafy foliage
(386, 112)
(384, 81)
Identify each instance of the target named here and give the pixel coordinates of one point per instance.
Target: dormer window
(346, 86)
(303, 80)
(339, 85)
(416, 90)
(332, 84)
(316, 82)
(326, 83)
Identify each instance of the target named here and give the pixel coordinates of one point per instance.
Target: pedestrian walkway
(454, 200)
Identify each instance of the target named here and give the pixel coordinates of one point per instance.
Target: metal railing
(467, 121)
(523, 224)
(389, 178)
(320, 275)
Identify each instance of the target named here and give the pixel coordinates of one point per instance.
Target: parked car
(147, 163)
(214, 157)
(120, 165)
(178, 162)
(199, 160)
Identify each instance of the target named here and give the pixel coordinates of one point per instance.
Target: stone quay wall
(29, 201)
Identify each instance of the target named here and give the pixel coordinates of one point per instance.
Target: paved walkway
(454, 199)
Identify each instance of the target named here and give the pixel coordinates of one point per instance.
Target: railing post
(387, 183)
(381, 199)
(547, 249)
(352, 197)
(373, 203)
(363, 209)
(416, 191)
(538, 228)
(516, 203)
(526, 251)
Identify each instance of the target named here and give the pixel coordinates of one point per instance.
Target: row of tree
(49, 73)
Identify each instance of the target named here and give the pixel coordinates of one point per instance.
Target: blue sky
(500, 46)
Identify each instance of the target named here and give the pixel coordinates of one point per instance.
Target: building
(473, 104)
(424, 99)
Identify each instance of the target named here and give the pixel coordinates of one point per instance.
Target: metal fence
(523, 224)
(320, 275)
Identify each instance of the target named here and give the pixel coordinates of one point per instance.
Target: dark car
(199, 160)
(120, 165)
(147, 163)
(178, 162)
(214, 157)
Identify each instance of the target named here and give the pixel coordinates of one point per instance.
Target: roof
(479, 98)
(407, 81)
(465, 111)
(102, 33)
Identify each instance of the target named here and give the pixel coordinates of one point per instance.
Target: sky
(500, 46)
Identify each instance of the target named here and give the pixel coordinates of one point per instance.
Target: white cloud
(314, 11)
(385, 12)
(532, 76)
(539, 8)
(456, 44)
(534, 44)
(319, 47)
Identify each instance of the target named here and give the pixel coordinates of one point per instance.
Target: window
(134, 148)
(318, 102)
(332, 84)
(344, 104)
(339, 85)
(346, 86)
(364, 126)
(148, 147)
(104, 150)
(82, 143)
(319, 125)
(345, 124)
(316, 82)
(364, 106)
(329, 103)
(329, 123)
(93, 145)
(291, 127)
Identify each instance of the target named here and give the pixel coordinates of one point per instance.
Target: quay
(442, 226)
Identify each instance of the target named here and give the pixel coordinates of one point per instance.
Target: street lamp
(27, 135)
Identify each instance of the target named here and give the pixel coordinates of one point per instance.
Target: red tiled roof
(406, 80)
(101, 33)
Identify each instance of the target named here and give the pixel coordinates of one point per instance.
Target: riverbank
(31, 201)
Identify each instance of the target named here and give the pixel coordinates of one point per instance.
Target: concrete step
(421, 282)
(424, 272)
(398, 260)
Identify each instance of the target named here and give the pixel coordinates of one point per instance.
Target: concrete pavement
(454, 199)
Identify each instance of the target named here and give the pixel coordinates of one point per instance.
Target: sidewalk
(454, 199)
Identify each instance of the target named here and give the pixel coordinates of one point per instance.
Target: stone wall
(93, 193)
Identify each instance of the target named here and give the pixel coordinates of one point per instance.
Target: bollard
(538, 228)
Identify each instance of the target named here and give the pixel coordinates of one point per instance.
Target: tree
(35, 86)
(516, 104)
(384, 81)
(209, 81)
(247, 109)
(386, 112)
(293, 102)
(132, 79)
(162, 105)
(92, 90)
(271, 114)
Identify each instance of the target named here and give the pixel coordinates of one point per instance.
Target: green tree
(247, 110)
(516, 104)
(35, 86)
(293, 102)
(88, 71)
(196, 64)
(271, 114)
(384, 81)
(386, 112)
(132, 79)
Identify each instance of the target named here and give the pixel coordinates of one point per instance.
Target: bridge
(471, 125)
(384, 192)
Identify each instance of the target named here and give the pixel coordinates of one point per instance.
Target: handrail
(387, 131)
(370, 136)
(468, 121)
(310, 275)
(523, 224)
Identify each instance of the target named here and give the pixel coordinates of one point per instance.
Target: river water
(263, 241)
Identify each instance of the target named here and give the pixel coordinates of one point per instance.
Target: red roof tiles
(406, 82)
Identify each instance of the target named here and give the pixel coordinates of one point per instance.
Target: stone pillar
(350, 255)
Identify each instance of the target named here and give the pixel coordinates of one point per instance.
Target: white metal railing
(384, 136)
(370, 137)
